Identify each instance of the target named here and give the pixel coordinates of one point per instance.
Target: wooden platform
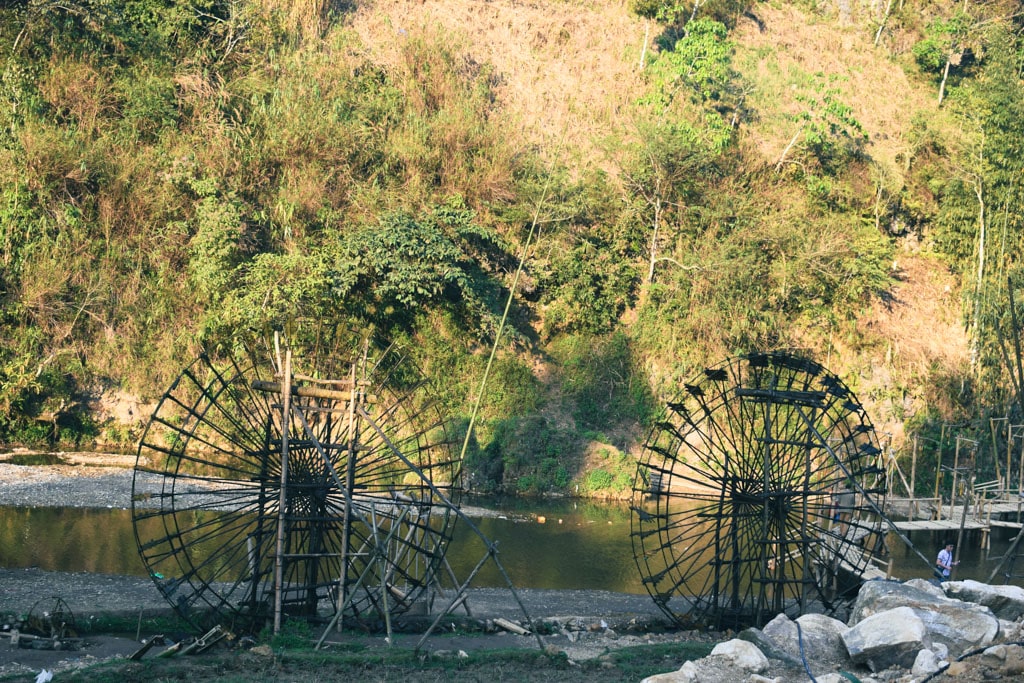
(1004, 524)
(980, 516)
(970, 524)
(995, 508)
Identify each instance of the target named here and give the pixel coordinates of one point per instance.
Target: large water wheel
(758, 493)
(295, 488)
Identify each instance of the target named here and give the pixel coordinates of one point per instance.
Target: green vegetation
(178, 175)
(290, 658)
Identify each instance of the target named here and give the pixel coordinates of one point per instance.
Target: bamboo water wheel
(295, 488)
(758, 493)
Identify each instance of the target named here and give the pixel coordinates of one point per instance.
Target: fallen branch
(509, 626)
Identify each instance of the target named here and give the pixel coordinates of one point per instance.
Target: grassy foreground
(396, 665)
(291, 655)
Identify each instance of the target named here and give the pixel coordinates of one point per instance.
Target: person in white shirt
(944, 562)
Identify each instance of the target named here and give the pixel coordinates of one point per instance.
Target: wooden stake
(912, 508)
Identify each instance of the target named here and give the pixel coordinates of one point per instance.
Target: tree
(662, 176)
(692, 91)
(384, 274)
(826, 128)
(947, 43)
(981, 222)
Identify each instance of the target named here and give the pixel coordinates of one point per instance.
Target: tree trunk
(945, 75)
(782, 157)
(976, 342)
(654, 241)
(881, 26)
(643, 51)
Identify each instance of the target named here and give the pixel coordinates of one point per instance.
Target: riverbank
(84, 480)
(89, 480)
(583, 625)
(91, 595)
(578, 635)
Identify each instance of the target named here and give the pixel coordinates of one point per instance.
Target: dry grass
(779, 59)
(568, 71)
(921, 320)
(918, 330)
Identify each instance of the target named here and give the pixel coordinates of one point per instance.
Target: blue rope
(803, 656)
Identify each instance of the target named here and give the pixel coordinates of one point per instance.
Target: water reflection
(580, 545)
(69, 539)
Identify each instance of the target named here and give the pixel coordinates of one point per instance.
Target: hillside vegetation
(681, 183)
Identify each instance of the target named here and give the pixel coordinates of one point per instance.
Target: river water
(578, 545)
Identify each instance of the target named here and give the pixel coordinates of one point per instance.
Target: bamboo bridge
(985, 507)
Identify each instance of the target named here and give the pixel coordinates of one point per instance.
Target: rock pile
(896, 633)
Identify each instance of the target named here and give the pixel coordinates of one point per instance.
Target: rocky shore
(897, 632)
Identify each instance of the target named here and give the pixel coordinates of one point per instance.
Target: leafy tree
(692, 91)
(698, 70)
(646, 8)
(583, 272)
(217, 247)
(387, 272)
(670, 12)
(663, 178)
(602, 375)
(587, 288)
(827, 131)
(945, 46)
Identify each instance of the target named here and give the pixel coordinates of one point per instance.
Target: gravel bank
(90, 480)
(84, 480)
(83, 487)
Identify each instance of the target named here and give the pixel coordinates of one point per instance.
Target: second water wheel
(759, 492)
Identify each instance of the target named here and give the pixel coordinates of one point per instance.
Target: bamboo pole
(992, 428)
(1009, 452)
(956, 464)
(938, 470)
(960, 534)
(283, 498)
(1020, 473)
(889, 466)
(346, 526)
(912, 507)
(1009, 448)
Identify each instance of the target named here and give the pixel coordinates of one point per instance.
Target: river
(548, 543)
